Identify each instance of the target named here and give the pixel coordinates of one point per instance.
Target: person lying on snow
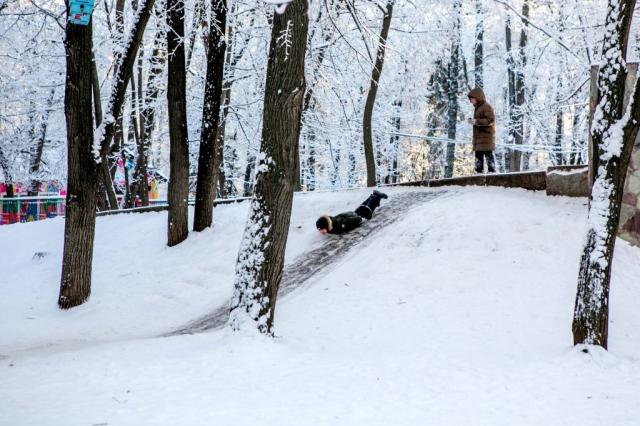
(348, 221)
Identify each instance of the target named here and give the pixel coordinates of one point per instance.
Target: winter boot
(380, 195)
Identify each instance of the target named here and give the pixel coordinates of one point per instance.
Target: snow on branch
(544, 31)
(280, 5)
(284, 39)
(122, 73)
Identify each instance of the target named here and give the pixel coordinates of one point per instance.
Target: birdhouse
(80, 11)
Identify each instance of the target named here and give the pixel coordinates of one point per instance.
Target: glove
(471, 121)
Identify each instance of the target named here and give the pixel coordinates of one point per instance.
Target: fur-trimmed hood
(329, 222)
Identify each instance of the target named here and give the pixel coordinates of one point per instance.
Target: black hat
(322, 223)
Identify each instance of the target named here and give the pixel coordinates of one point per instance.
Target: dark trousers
(491, 161)
(366, 209)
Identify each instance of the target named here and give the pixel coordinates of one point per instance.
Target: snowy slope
(140, 286)
(458, 314)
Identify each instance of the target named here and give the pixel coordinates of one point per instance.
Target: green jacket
(344, 222)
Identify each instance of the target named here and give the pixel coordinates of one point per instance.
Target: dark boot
(380, 194)
(366, 209)
(479, 162)
(491, 162)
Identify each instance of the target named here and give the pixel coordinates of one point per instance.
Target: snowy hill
(458, 313)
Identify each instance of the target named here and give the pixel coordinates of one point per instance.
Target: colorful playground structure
(49, 203)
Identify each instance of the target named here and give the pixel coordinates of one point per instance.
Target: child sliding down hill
(348, 221)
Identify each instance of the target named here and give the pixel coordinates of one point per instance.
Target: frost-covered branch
(280, 5)
(122, 74)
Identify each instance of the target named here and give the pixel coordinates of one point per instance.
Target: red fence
(29, 209)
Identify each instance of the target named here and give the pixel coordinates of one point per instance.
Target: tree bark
(576, 134)
(454, 73)
(392, 169)
(140, 185)
(75, 283)
(478, 51)
(8, 176)
(261, 257)
(122, 74)
(178, 194)
(109, 160)
(512, 159)
(233, 56)
(309, 105)
(371, 96)
(209, 160)
(558, 156)
(518, 160)
(247, 188)
(106, 196)
(612, 149)
(36, 159)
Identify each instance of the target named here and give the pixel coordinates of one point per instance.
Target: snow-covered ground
(457, 314)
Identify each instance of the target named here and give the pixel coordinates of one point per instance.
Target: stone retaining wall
(630, 214)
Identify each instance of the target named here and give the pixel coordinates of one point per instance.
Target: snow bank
(140, 286)
(459, 314)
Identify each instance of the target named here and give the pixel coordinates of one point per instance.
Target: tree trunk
(309, 105)
(106, 173)
(335, 170)
(512, 158)
(36, 160)
(122, 74)
(197, 21)
(261, 257)
(139, 182)
(178, 194)
(392, 170)
(209, 160)
(559, 157)
(576, 145)
(233, 56)
(147, 119)
(371, 96)
(123, 69)
(8, 176)
(612, 149)
(229, 164)
(248, 174)
(75, 283)
(454, 73)
(478, 54)
(517, 162)
(106, 196)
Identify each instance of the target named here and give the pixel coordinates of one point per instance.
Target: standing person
(348, 221)
(484, 130)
